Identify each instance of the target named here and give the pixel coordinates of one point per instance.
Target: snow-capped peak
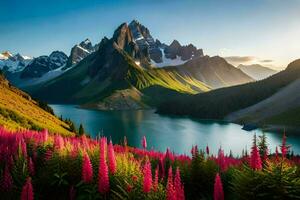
(13, 63)
(5, 55)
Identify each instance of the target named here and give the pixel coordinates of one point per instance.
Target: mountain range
(272, 102)
(131, 70)
(257, 71)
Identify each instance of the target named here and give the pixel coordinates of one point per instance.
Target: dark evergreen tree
(263, 146)
(81, 130)
(72, 127)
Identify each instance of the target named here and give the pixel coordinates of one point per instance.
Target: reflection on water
(177, 133)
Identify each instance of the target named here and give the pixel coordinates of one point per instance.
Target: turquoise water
(177, 133)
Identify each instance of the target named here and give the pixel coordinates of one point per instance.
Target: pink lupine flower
(87, 169)
(7, 181)
(111, 158)
(58, 142)
(31, 167)
(144, 142)
(155, 184)
(147, 177)
(218, 188)
(284, 147)
(221, 160)
(178, 186)
(103, 185)
(171, 193)
(45, 135)
(255, 160)
(207, 150)
(27, 191)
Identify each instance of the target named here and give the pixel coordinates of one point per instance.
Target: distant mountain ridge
(256, 71)
(43, 64)
(272, 101)
(10, 63)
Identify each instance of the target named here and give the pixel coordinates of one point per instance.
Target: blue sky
(263, 31)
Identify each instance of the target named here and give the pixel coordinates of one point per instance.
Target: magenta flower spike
(218, 188)
(111, 158)
(103, 178)
(144, 142)
(171, 193)
(27, 190)
(87, 169)
(147, 184)
(255, 160)
(178, 186)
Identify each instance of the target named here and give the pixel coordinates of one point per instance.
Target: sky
(245, 31)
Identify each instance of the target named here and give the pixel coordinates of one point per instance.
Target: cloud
(239, 59)
(266, 61)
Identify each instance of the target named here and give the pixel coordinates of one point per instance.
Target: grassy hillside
(18, 111)
(221, 102)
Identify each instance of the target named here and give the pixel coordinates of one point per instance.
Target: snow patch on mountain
(13, 63)
(168, 61)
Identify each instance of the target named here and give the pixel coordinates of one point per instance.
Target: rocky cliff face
(185, 52)
(79, 52)
(43, 64)
(153, 52)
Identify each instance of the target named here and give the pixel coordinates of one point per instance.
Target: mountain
(256, 71)
(79, 52)
(213, 71)
(277, 109)
(153, 53)
(19, 110)
(43, 64)
(45, 68)
(10, 63)
(274, 95)
(112, 73)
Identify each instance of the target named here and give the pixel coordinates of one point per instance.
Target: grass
(18, 110)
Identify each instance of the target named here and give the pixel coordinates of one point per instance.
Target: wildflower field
(39, 165)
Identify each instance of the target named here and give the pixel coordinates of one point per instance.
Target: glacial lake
(177, 133)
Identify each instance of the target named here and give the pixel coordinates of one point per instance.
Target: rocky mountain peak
(6, 55)
(175, 44)
(43, 64)
(87, 44)
(79, 52)
(58, 57)
(122, 36)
